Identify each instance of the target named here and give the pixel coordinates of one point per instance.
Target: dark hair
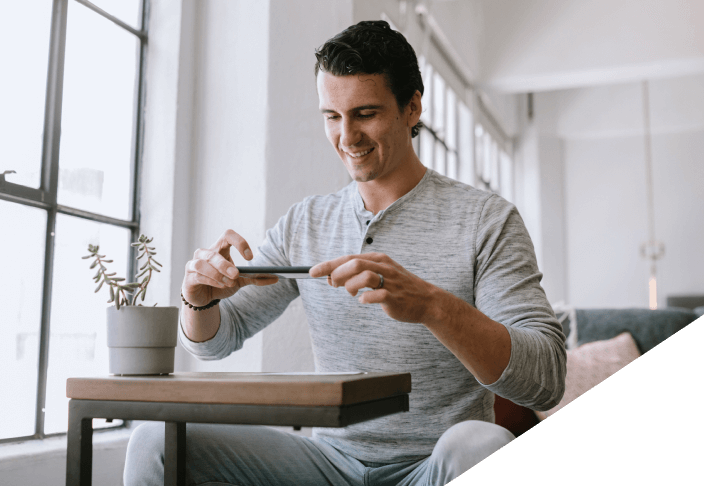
(372, 47)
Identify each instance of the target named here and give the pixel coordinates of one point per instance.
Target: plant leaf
(118, 279)
(135, 244)
(155, 269)
(94, 264)
(144, 266)
(99, 285)
(144, 294)
(107, 261)
(86, 257)
(117, 303)
(154, 261)
(143, 272)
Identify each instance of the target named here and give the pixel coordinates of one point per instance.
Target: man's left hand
(403, 296)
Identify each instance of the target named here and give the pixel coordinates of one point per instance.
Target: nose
(350, 134)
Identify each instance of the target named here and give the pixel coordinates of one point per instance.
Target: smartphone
(281, 272)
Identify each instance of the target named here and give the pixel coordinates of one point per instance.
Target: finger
(217, 261)
(354, 267)
(230, 238)
(203, 267)
(326, 268)
(260, 282)
(366, 279)
(205, 280)
(374, 296)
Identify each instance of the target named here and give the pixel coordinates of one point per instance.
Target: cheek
(330, 133)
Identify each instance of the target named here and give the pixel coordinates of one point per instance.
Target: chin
(363, 176)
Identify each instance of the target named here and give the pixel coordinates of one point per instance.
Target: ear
(414, 110)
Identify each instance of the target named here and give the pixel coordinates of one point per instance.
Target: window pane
(486, 158)
(438, 104)
(125, 10)
(78, 345)
(96, 139)
(452, 169)
(479, 152)
(451, 134)
(22, 248)
(439, 162)
(24, 57)
(494, 157)
(466, 148)
(427, 141)
(506, 177)
(427, 100)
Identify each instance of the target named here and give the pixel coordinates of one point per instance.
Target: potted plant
(141, 340)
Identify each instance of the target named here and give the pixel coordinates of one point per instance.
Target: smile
(359, 154)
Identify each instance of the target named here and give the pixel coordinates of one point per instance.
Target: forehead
(341, 93)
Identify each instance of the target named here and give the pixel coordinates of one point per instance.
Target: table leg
(175, 454)
(79, 450)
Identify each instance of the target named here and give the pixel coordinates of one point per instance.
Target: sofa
(606, 339)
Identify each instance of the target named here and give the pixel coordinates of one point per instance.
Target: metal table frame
(79, 457)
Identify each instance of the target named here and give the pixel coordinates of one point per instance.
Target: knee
(144, 463)
(466, 444)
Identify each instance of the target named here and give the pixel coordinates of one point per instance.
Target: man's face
(364, 124)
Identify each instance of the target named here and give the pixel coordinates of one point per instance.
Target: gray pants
(245, 455)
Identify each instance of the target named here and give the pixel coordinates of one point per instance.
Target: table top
(244, 388)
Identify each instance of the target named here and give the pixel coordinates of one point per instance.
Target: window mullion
(49, 184)
(138, 135)
(139, 33)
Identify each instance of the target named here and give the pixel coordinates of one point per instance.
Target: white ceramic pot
(142, 340)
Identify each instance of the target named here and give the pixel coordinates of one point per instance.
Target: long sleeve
(252, 308)
(507, 289)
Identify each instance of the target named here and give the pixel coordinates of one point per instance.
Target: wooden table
(319, 400)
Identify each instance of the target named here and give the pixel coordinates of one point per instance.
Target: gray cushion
(648, 327)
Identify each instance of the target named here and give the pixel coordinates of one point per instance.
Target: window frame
(46, 196)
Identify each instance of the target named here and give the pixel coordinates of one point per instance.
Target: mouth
(359, 155)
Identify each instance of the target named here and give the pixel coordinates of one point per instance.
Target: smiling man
(453, 296)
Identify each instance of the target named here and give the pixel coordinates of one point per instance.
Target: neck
(383, 191)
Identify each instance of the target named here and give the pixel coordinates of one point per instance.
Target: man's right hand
(212, 274)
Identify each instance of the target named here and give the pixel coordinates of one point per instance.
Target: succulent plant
(125, 293)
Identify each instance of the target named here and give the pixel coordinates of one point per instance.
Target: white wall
(540, 45)
(299, 158)
(605, 216)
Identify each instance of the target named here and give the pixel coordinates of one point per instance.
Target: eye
(366, 115)
(332, 117)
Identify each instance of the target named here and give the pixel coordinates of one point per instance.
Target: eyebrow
(356, 108)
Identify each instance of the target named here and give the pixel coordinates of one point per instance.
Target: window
(454, 144)
(72, 138)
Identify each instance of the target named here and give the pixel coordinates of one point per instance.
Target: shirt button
(369, 241)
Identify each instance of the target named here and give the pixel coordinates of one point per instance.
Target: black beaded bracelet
(212, 304)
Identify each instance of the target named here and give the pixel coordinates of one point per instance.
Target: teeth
(359, 154)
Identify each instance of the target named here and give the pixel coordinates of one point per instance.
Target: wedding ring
(381, 282)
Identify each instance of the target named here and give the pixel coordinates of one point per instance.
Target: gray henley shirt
(469, 242)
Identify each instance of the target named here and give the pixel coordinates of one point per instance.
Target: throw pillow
(590, 364)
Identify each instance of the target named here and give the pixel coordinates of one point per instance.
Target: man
(454, 298)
